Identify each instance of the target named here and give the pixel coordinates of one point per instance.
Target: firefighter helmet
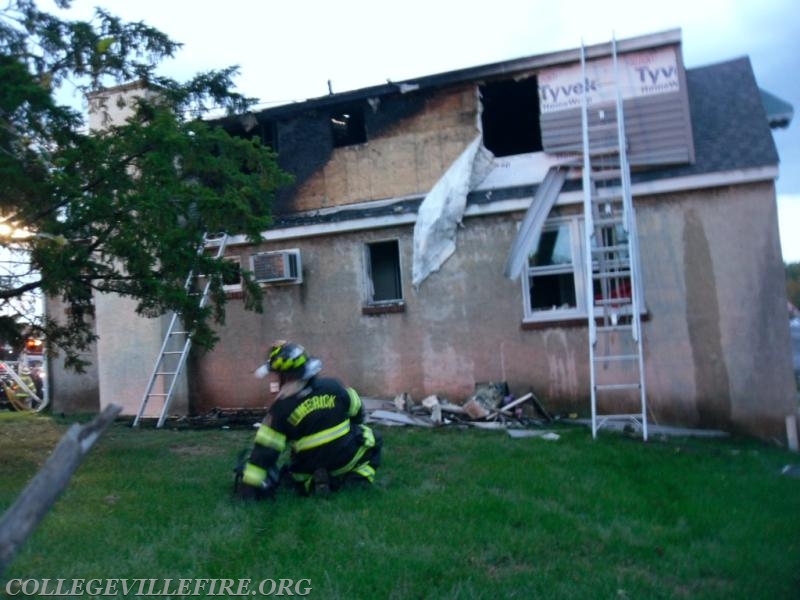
(293, 361)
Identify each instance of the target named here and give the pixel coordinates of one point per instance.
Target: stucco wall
(71, 392)
(717, 343)
(128, 347)
(716, 339)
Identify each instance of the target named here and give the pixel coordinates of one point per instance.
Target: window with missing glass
(555, 286)
(553, 281)
(383, 272)
(348, 128)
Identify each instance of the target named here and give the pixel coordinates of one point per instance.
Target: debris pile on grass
(491, 406)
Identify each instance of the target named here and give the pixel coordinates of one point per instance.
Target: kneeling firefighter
(314, 431)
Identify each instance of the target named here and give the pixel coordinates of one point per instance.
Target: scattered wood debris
(490, 407)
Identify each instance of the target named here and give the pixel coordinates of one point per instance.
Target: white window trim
(578, 270)
(234, 287)
(577, 246)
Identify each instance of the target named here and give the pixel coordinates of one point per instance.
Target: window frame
(369, 282)
(234, 288)
(576, 224)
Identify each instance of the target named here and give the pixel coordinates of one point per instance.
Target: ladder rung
(616, 357)
(612, 265)
(154, 394)
(607, 221)
(178, 332)
(612, 274)
(612, 328)
(606, 175)
(166, 373)
(637, 417)
(600, 127)
(173, 352)
(604, 249)
(621, 301)
(609, 263)
(617, 386)
(605, 150)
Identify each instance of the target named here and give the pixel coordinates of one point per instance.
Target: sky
(289, 51)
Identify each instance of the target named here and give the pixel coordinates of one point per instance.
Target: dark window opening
(551, 272)
(510, 117)
(554, 291)
(384, 271)
(347, 128)
(268, 137)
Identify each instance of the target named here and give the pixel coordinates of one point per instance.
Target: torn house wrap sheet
(442, 209)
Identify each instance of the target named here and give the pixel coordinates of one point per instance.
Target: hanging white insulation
(442, 209)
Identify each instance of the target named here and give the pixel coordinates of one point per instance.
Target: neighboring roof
(779, 112)
(730, 127)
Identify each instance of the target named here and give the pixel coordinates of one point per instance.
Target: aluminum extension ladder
(612, 268)
(175, 347)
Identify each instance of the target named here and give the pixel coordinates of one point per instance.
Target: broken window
(552, 271)
(347, 128)
(510, 116)
(555, 286)
(383, 272)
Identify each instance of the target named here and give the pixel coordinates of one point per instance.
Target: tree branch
(22, 518)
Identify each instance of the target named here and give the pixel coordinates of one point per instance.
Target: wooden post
(22, 517)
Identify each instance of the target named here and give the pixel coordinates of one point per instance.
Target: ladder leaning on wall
(612, 262)
(175, 347)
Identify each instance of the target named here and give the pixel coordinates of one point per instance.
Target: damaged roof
(731, 132)
(502, 69)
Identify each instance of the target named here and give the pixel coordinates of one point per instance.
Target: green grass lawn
(454, 514)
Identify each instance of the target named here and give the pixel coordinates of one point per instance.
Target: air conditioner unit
(283, 266)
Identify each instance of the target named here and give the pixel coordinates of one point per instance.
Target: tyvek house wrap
(442, 209)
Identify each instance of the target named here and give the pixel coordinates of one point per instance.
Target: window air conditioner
(277, 267)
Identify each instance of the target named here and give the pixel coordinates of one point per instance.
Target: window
(347, 128)
(232, 277)
(383, 273)
(510, 116)
(555, 286)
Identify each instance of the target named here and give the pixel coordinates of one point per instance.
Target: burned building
(389, 254)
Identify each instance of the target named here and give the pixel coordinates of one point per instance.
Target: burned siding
(333, 167)
(406, 152)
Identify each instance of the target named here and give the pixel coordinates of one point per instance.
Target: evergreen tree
(122, 210)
